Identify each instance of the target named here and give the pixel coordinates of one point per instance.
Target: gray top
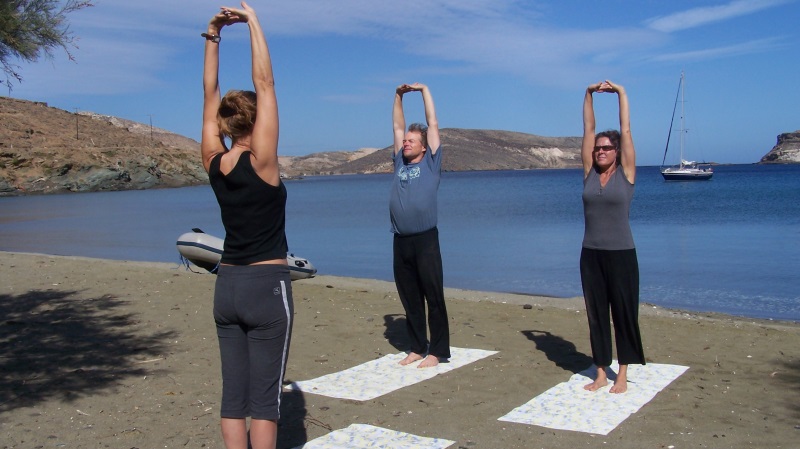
(606, 211)
(413, 205)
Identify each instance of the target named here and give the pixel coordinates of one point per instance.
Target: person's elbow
(264, 83)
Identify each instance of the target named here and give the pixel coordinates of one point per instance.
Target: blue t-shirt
(413, 206)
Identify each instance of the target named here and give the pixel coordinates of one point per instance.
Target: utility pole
(76, 123)
(151, 128)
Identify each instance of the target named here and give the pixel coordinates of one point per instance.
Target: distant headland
(786, 151)
(50, 150)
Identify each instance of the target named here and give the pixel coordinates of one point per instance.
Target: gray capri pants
(253, 311)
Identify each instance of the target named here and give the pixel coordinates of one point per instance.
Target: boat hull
(687, 175)
(205, 251)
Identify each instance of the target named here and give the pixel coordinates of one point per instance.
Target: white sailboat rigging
(686, 170)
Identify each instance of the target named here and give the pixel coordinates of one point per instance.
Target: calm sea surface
(728, 245)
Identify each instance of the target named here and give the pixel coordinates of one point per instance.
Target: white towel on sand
(363, 436)
(384, 375)
(567, 406)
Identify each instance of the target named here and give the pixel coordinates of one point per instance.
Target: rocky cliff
(49, 150)
(786, 151)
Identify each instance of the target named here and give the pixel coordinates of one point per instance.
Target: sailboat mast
(686, 170)
(672, 119)
(683, 115)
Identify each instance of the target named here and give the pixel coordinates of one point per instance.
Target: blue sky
(517, 65)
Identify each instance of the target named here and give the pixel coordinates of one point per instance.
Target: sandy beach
(99, 353)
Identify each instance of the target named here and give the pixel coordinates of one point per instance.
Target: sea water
(728, 245)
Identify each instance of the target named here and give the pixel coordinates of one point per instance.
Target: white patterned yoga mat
(363, 436)
(567, 406)
(384, 375)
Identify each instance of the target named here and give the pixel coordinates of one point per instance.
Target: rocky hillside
(49, 150)
(319, 163)
(464, 149)
(786, 151)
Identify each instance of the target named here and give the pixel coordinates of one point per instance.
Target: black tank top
(253, 213)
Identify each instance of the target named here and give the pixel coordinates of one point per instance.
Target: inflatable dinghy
(205, 251)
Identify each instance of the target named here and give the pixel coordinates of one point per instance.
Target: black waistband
(417, 234)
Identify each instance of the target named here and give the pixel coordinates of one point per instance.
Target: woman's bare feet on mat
(599, 382)
(430, 361)
(411, 358)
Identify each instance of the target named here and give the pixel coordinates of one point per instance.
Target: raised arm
(627, 151)
(398, 118)
(211, 142)
(264, 140)
(430, 116)
(587, 147)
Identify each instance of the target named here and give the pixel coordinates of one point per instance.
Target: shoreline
(124, 354)
(519, 298)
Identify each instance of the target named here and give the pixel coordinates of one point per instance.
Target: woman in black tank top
(253, 306)
(609, 267)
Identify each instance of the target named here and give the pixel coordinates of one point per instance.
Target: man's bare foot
(621, 382)
(410, 358)
(620, 386)
(430, 361)
(596, 385)
(599, 382)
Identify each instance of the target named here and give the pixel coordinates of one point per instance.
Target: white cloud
(101, 67)
(709, 14)
(359, 17)
(129, 46)
(751, 47)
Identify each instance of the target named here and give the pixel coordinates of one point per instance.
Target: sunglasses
(605, 148)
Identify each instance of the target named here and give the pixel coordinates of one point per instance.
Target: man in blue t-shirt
(413, 209)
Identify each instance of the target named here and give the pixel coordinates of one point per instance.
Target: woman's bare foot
(430, 361)
(599, 382)
(621, 382)
(411, 358)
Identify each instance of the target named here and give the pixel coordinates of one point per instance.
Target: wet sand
(99, 353)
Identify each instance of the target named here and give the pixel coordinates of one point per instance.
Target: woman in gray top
(609, 267)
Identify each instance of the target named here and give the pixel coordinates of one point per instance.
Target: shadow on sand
(294, 420)
(396, 333)
(789, 377)
(57, 345)
(559, 351)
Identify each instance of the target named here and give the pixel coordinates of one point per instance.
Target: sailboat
(687, 170)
